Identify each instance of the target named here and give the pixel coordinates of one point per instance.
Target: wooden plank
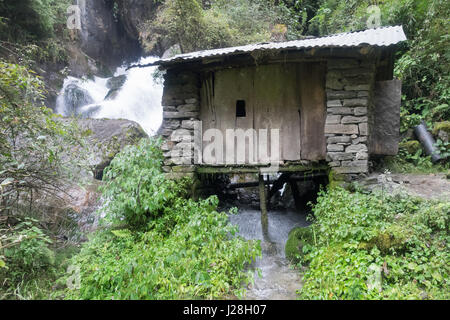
(229, 86)
(276, 107)
(257, 168)
(313, 111)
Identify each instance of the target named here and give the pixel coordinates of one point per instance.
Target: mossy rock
(336, 179)
(393, 238)
(411, 146)
(441, 126)
(298, 237)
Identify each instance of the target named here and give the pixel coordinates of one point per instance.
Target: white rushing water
(138, 100)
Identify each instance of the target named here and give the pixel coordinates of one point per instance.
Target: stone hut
(332, 100)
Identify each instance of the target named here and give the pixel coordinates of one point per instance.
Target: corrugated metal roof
(381, 37)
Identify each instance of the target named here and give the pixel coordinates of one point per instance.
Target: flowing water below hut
(279, 280)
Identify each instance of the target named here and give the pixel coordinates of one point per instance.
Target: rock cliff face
(105, 35)
(134, 12)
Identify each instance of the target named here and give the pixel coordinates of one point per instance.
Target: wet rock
(76, 97)
(114, 85)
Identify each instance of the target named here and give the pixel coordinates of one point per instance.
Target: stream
(279, 281)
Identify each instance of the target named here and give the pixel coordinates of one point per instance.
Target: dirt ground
(427, 186)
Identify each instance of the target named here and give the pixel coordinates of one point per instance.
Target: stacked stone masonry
(349, 84)
(181, 108)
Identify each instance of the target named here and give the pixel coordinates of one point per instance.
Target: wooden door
(288, 97)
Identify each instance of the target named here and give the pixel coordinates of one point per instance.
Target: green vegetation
(159, 244)
(25, 20)
(225, 23)
(375, 246)
(33, 31)
(33, 164)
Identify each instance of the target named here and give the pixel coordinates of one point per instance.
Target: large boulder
(106, 138)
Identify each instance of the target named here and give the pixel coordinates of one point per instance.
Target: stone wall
(181, 107)
(349, 86)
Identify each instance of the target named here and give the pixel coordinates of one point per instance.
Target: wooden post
(295, 194)
(263, 205)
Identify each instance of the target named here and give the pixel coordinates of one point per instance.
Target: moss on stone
(335, 179)
(444, 126)
(298, 237)
(393, 238)
(411, 146)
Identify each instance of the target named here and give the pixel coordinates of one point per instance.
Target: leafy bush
(135, 187)
(371, 246)
(26, 251)
(25, 20)
(33, 141)
(222, 24)
(160, 245)
(34, 162)
(424, 69)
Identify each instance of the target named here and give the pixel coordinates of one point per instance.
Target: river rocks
(114, 85)
(75, 97)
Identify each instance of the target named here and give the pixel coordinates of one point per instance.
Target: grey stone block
(335, 147)
(360, 102)
(188, 108)
(340, 156)
(334, 103)
(356, 148)
(180, 115)
(341, 128)
(360, 111)
(335, 95)
(333, 119)
(340, 110)
(180, 135)
(352, 119)
(340, 139)
(363, 129)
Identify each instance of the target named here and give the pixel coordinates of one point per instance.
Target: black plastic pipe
(427, 141)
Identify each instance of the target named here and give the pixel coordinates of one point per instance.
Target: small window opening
(240, 109)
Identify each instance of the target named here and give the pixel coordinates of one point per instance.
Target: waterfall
(132, 95)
